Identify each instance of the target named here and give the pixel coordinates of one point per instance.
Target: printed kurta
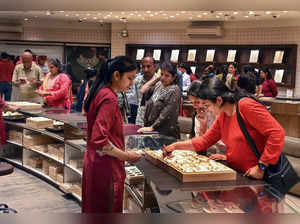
(60, 89)
(103, 176)
(162, 110)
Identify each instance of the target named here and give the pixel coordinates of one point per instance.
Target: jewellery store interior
(150, 110)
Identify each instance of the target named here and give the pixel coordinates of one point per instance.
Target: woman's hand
(43, 93)
(132, 157)
(167, 150)
(11, 107)
(145, 129)
(255, 172)
(218, 157)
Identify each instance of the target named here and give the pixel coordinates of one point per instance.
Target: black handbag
(281, 177)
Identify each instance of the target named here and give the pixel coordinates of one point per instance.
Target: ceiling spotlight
(26, 19)
(171, 16)
(95, 18)
(183, 12)
(199, 16)
(217, 16)
(205, 13)
(131, 14)
(235, 13)
(61, 11)
(122, 13)
(268, 12)
(177, 14)
(151, 15)
(48, 13)
(285, 11)
(246, 16)
(148, 12)
(251, 12)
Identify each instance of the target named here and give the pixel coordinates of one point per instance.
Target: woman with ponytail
(263, 128)
(56, 87)
(103, 168)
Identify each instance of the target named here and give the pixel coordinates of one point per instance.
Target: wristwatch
(262, 166)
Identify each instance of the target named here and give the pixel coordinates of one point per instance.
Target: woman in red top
(269, 87)
(263, 128)
(56, 87)
(103, 167)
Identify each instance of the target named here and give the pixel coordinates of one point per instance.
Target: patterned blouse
(162, 110)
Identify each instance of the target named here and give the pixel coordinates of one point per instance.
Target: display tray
(25, 105)
(201, 176)
(15, 118)
(55, 129)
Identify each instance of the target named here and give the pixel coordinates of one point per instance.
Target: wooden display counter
(287, 113)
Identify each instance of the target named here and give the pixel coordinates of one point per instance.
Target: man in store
(148, 72)
(186, 79)
(6, 71)
(27, 77)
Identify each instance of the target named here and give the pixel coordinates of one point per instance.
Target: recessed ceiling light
(95, 18)
(148, 12)
(285, 11)
(246, 16)
(235, 13)
(139, 15)
(26, 19)
(205, 13)
(171, 16)
(177, 14)
(220, 13)
(122, 13)
(165, 14)
(217, 16)
(151, 15)
(48, 13)
(61, 11)
(84, 18)
(108, 15)
(251, 12)
(131, 14)
(117, 17)
(183, 12)
(67, 15)
(199, 16)
(268, 12)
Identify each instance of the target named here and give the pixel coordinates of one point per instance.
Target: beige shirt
(27, 91)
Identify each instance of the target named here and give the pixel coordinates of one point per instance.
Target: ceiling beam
(166, 5)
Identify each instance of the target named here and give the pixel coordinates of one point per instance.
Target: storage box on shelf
(39, 122)
(31, 138)
(15, 136)
(54, 170)
(46, 164)
(57, 151)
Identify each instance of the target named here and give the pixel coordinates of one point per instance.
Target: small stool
(6, 169)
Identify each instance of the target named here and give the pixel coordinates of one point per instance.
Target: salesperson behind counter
(56, 88)
(263, 128)
(103, 167)
(4, 106)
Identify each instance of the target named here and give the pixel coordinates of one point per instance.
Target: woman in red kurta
(56, 88)
(269, 87)
(263, 128)
(4, 106)
(103, 169)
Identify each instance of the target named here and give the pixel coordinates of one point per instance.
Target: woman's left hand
(255, 172)
(145, 129)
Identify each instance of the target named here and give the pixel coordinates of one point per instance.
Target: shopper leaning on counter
(103, 170)
(263, 128)
(162, 97)
(56, 89)
(6, 107)
(27, 77)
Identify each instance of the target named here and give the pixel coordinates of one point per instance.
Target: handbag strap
(246, 133)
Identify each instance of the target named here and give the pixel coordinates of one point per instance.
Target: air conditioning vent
(205, 29)
(11, 29)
